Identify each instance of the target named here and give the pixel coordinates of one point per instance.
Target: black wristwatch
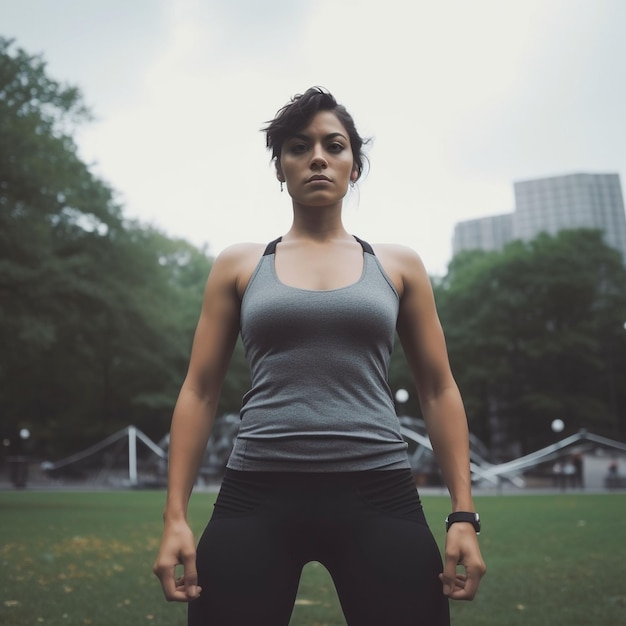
(463, 516)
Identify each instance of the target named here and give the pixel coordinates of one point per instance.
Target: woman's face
(317, 163)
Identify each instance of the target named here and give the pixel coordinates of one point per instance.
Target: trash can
(18, 471)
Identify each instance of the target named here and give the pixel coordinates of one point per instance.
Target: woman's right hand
(178, 547)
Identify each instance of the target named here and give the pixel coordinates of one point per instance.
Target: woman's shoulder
(401, 263)
(241, 252)
(397, 255)
(237, 262)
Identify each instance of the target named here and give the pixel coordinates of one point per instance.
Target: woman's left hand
(462, 549)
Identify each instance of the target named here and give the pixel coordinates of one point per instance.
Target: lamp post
(560, 473)
(557, 426)
(402, 395)
(18, 465)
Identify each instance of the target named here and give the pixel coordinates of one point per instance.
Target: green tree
(536, 332)
(96, 312)
(52, 213)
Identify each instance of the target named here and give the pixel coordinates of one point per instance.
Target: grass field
(77, 559)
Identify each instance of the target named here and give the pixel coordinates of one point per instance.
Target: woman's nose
(318, 159)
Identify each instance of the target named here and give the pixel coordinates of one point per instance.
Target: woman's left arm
(440, 400)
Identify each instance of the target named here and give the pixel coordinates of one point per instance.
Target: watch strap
(464, 516)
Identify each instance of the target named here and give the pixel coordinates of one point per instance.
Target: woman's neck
(321, 223)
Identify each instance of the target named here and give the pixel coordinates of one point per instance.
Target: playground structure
(495, 474)
(119, 460)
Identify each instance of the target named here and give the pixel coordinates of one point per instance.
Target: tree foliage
(536, 332)
(96, 312)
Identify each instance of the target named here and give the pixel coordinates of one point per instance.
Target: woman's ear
(279, 173)
(354, 176)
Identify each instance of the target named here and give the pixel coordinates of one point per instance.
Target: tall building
(484, 233)
(550, 205)
(574, 201)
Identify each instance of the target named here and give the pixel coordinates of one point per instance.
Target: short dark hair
(299, 112)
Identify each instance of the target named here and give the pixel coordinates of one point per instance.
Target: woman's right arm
(192, 420)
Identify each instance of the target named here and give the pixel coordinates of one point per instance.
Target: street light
(557, 425)
(18, 464)
(402, 395)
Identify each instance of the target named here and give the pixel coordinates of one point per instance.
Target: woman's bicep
(421, 333)
(216, 332)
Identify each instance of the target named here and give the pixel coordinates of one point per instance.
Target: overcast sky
(461, 98)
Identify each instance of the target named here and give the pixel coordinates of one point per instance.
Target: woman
(319, 470)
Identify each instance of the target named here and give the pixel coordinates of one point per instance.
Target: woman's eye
(335, 147)
(297, 148)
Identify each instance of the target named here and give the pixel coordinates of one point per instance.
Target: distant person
(319, 470)
(579, 465)
(569, 473)
(612, 474)
(613, 469)
(559, 475)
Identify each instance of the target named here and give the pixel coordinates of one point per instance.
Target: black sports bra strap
(271, 246)
(366, 247)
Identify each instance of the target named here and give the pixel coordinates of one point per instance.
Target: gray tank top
(319, 399)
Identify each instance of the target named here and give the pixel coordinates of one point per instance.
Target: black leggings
(366, 528)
